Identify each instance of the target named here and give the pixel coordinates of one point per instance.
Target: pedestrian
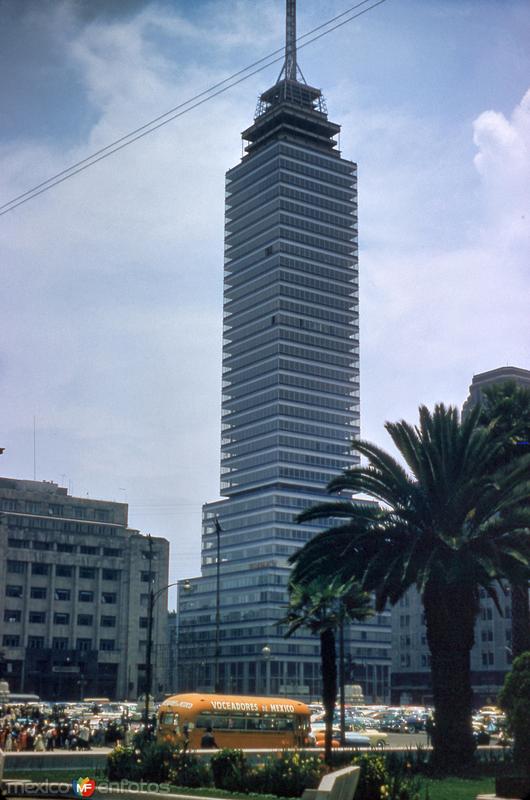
(99, 735)
(186, 736)
(208, 739)
(39, 744)
(49, 738)
(84, 737)
(429, 729)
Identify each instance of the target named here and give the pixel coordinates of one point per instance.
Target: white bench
(339, 785)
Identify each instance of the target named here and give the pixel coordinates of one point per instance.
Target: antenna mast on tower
(290, 41)
(290, 69)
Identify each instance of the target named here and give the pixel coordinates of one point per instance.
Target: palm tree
(447, 526)
(505, 408)
(323, 606)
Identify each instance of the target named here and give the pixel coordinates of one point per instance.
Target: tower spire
(290, 69)
(291, 89)
(290, 40)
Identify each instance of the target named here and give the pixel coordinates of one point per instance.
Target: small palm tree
(322, 606)
(505, 409)
(448, 526)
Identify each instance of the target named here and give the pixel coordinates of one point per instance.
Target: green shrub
(288, 774)
(515, 700)
(230, 770)
(187, 770)
(285, 775)
(124, 763)
(148, 763)
(386, 778)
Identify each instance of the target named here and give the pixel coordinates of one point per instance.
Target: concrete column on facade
(49, 606)
(24, 623)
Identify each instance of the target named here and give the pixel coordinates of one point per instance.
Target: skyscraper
(290, 405)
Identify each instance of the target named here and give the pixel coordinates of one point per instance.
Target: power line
(181, 109)
(179, 106)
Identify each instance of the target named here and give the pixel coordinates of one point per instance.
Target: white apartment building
(74, 595)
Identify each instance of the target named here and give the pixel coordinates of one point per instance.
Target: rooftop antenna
(290, 68)
(290, 41)
(34, 448)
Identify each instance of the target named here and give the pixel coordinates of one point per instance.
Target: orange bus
(236, 721)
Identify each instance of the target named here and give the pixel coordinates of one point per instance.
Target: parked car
(393, 724)
(352, 738)
(375, 738)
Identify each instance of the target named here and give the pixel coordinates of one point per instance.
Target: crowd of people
(29, 728)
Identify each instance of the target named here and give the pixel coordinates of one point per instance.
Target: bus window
(284, 724)
(167, 718)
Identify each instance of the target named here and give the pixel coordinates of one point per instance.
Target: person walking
(208, 739)
(84, 737)
(39, 743)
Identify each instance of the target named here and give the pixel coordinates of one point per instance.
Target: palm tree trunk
(520, 618)
(450, 616)
(329, 685)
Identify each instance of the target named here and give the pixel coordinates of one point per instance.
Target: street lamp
(342, 681)
(82, 682)
(266, 653)
(153, 597)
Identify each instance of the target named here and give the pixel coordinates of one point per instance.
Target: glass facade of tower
(290, 391)
(290, 405)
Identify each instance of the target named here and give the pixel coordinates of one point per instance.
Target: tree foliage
(322, 606)
(515, 700)
(449, 522)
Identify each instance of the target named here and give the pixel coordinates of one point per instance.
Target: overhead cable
(181, 109)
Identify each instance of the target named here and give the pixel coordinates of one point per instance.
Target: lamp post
(266, 653)
(153, 597)
(82, 682)
(341, 684)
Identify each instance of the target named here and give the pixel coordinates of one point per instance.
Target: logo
(84, 787)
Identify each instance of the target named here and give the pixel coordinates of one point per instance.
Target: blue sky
(112, 282)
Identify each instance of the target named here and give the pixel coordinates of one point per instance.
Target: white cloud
(435, 309)
(503, 162)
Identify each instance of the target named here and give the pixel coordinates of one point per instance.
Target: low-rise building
(74, 602)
